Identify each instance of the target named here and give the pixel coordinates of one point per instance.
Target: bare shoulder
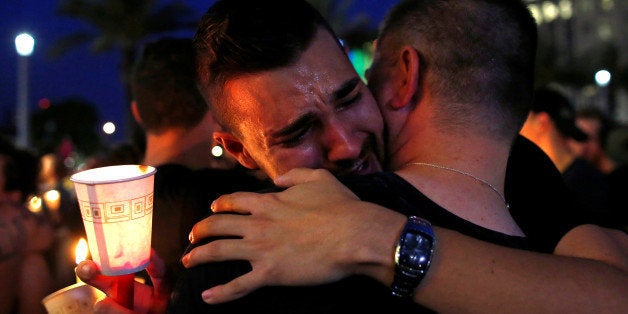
(595, 242)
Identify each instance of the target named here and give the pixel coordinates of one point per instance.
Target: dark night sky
(78, 73)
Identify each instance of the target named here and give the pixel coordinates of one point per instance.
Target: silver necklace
(466, 174)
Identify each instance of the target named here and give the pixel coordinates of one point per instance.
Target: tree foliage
(73, 119)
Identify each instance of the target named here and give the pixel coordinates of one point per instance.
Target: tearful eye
(295, 138)
(296, 132)
(349, 102)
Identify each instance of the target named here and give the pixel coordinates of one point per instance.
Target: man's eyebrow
(346, 88)
(295, 125)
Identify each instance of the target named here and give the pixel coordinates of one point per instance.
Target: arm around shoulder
(467, 274)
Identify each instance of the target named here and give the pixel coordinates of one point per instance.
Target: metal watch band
(412, 256)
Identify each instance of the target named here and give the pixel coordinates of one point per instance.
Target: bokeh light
(109, 128)
(602, 77)
(217, 151)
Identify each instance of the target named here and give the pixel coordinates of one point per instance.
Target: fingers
(225, 202)
(217, 225)
(215, 251)
(89, 273)
(234, 289)
(156, 267)
(157, 270)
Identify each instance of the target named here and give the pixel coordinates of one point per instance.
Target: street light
(603, 79)
(24, 45)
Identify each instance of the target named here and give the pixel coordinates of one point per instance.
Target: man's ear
(136, 113)
(408, 75)
(234, 147)
(544, 121)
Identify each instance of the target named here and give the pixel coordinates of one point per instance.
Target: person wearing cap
(600, 129)
(550, 125)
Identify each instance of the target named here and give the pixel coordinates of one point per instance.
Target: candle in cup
(78, 298)
(80, 254)
(116, 204)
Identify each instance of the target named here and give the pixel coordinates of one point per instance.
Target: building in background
(579, 38)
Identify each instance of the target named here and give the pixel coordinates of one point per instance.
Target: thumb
(301, 175)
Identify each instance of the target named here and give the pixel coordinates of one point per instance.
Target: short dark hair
(476, 51)
(164, 87)
(237, 37)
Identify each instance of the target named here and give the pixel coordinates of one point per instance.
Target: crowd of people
(334, 181)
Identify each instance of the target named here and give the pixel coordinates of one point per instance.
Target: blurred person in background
(618, 150)
(618, 143)
(51, 177)
(120, 154)
(551, 125)
(598, 126)
(116, 154)
(26, 237)
(60, 204)
(178, 128)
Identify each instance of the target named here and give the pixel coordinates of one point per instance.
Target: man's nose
(342, 143)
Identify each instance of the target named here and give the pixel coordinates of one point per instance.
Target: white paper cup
(77, 299)
(116, 204)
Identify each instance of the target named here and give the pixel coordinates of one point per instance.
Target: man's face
(316, 113)
(591, 149)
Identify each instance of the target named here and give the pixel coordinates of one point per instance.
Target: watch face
(416, 250)
(412, 256)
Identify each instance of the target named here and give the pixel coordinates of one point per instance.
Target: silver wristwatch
(412, 256)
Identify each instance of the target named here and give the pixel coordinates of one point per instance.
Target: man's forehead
(263, 104)
(273, 99)
(261, 94)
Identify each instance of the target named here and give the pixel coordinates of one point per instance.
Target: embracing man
(453, 99)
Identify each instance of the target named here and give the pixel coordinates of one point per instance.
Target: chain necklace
(466, 174)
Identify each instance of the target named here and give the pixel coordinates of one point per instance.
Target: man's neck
(558, 151)
(458, 165)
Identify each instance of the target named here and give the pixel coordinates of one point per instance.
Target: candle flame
(52, 199)
(34, 204)
(81, 251)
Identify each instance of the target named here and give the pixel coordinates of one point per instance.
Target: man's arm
(318, 231)
(597, 243)
(468, 274)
